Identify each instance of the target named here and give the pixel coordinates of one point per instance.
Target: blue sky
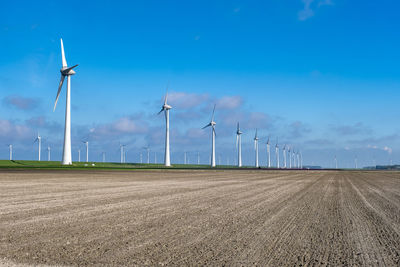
(319, 75)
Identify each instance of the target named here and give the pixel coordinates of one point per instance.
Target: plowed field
(266, 218)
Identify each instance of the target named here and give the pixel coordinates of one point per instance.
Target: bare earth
(265, 218)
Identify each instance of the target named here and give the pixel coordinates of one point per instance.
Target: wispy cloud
(309, 7)
(357, 128)
(20, 102)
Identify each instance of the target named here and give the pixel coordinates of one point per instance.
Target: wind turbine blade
(208, 125)
(64, 61)
(58, 92)
(160, 111)
(212, 118)
(70, 68)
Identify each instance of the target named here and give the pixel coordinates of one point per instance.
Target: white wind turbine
(269, 153)
(39, 140)
(10, 147)
(212, 124)
(122, 148)
(147, 148)
(87, 150)
(277, 153)
(256, 149)
(48, 153)
(336, 165)
(284, 156)
(79, 155)
(239, 145)
(298, 159)
(290, 157)
(66, 72)
(166, 108)
(294, 159)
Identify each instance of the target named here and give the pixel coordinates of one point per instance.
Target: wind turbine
(212, 124)
(355, 162)
(10, 147)
(198, 158)
(39, 140)
(48, 153)
(294, 158)
(87, 150)
(122, 148)
(256, 148)
(239, 145)
(166, 108)
(277, 153)
(184, 157)
(141, 158)
(284, 156)
(336, 165)
(269, 153)
(298, 159)
(290, 157)
(79, 155)
(147, 148)
(104, 156)
(66, 72)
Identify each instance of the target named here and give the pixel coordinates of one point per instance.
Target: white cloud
(229, 102)
(306, 12)
(186, 100)
(388, 149)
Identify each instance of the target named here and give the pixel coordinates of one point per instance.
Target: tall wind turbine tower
(298, 159)
(269, 153)
(48, 153)
(166, 108)
(87, 150)
(355, 162)
(212, 124)
(256, 149)
(198, 158)
(336, 165)
(66, 72)
(290, 157)
(239, 145)
(284, 156)
(10, 147)
(294, 158)
(147, 148)
(277, 154)
(122, 148)
(79, 155)
(39, 140)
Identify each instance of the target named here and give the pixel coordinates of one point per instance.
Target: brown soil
(265, 218)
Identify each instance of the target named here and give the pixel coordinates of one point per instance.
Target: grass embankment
(16, 164)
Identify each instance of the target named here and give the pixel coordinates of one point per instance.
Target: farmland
(199, 217)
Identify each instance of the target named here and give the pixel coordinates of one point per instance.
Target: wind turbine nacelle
(167, 107)
(67, 72)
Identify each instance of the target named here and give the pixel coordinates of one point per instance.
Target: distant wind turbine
(104, 156)
(284, 156)
(48, 153)
(39, 140)
(298, 159)
(290, 157)
(87, 150)
(66, 72)
(10, 147)
(336, 165)
(355, 162)
(239, 145)
(256, 149)
(147, 148)
(166, 109)
(269, 153)
(79, 155)
(212, 124)
(122, 147)
(198, 158)
(277, 153)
